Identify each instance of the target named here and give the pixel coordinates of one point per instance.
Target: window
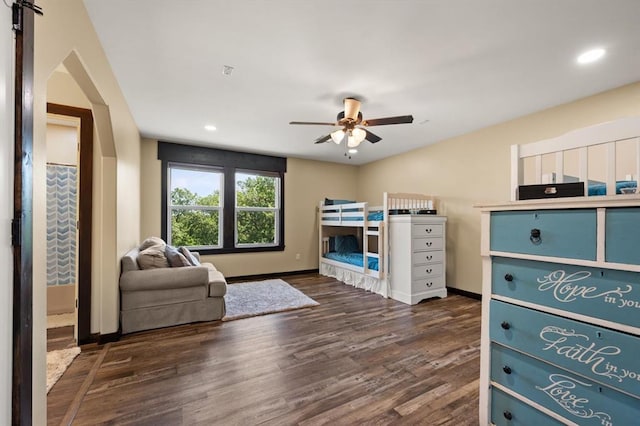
(195, 206)
(257, 209)
(219, 201)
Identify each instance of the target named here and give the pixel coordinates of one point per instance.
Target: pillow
(175, 258)
(190, 258)
(330, 202)
(153, 257)
(150, 242)
(346, 243)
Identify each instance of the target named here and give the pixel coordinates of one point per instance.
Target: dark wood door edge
(22, 230)
(85, 209)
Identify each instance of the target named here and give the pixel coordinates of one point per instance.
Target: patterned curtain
(61, 224)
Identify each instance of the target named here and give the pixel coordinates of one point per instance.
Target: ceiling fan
(352, 125)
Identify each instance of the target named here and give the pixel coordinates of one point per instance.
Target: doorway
(70, 172)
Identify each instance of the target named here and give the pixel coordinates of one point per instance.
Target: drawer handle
(429, 284)
(505, 325)
(506, 369)
(507, 415)
(508, 277)
(428, 271)
(535, 237)
(429, 243)
(429, 257)
(428, 230)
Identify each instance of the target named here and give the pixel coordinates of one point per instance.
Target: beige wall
(65, 34)
(475, 167)
(306, 183)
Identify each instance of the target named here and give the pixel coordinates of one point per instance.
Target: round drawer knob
(507, 415)
(505, 325)
(536, 236)
(428, 271)
(428, 230)
(429, 243)
(429, 284)
(506, 369)
(429, 257)
(508, 277)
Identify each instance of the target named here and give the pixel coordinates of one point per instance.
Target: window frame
(220, 208)
(229, 162)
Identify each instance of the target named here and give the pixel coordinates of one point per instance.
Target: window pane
(256, 227)
(194, 227)
(256, 190)
(193, 187)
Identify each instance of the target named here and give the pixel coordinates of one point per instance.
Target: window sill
(238, 250)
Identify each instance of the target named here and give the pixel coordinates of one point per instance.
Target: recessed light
(227, 70)
(591, 56)
(353, 151)
(210, 127)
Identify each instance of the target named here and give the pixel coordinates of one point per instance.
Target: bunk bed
(572, 157)
(353, 238)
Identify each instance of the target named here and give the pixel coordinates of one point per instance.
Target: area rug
(263, 297)
(57, 363)
(61, 320)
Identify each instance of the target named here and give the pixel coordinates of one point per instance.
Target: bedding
(600, 188)
(354, 258)
(372, 216)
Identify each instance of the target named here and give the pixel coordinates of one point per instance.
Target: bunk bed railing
(607, 134)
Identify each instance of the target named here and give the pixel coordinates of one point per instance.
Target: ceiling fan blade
(323, 139)
(371, 137)
(314, 123)
(401, 119)
(351, 108)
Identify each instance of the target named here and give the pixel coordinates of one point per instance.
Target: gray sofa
(161, 297)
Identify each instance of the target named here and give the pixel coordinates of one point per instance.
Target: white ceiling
(456, 65)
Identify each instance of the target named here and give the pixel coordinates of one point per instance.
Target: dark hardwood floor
(357, 358)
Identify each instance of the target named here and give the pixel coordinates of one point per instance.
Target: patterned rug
(57, 363)
(263, 297)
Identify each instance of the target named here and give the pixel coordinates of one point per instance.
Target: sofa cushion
(190, 257)
(153, 257)
(152, 241)
(175, 258)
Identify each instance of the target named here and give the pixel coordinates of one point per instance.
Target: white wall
(6, 212)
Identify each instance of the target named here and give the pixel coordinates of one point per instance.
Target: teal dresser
(561, 312)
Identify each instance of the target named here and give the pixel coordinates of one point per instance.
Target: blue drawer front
(563, 233)
(605, 356)
(622, 234)
(600, 293)
(575, 398)
(509, 411)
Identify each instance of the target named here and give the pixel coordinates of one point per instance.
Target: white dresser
(561, 305)
(417, 263)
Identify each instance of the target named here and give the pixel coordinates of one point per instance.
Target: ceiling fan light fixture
(337, 136)
(356, 136)
(351, 108)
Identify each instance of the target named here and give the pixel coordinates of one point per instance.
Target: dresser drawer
(425, 257)
(424, 284)
(509, 411)
(427, 244)
(605, 356)
(427, 230)
(622, 235)
(575, 398)
(607, 294)
(561, 233)
(427, 271)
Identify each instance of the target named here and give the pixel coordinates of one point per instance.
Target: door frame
(85, 214)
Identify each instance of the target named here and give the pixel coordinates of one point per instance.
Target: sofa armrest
(164, 278)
